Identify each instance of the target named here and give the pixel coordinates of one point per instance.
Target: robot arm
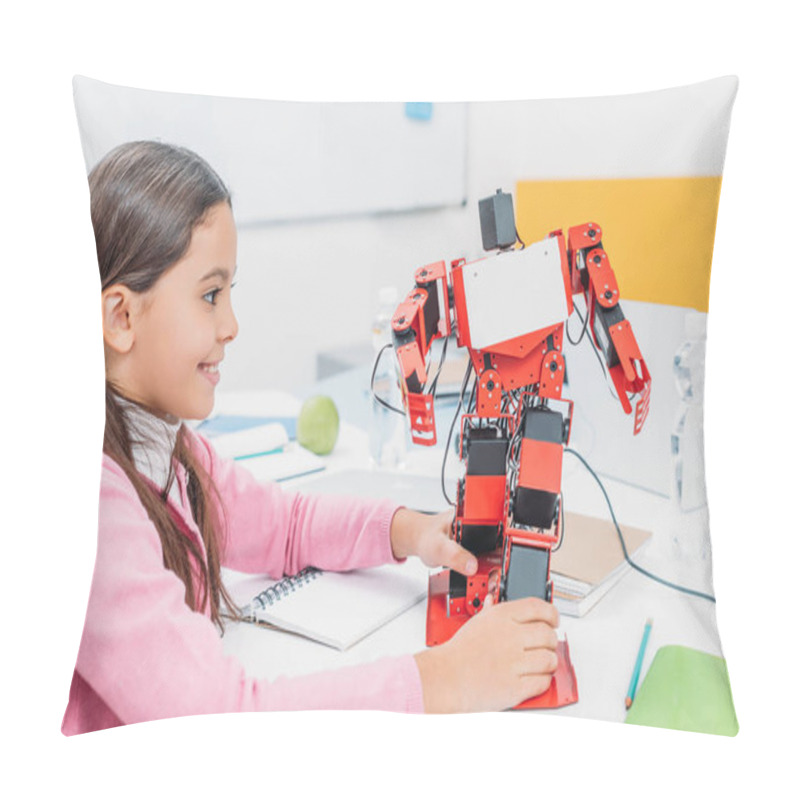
(419, 320)
(591, 274)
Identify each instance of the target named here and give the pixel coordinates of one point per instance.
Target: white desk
(603, 644)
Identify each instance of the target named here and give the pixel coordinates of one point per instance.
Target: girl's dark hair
(146, 199)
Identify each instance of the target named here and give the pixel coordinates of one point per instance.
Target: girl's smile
(211, 372)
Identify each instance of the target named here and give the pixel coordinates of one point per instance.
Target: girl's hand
(503, 655)
(429, 536)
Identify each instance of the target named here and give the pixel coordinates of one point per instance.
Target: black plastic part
(458, 584)
(544, 425)
(479, 538)
(413, 384)
(527, 573)
(487, 456)
(488, 432)
(498, 229)
(534, 508)
(430, 311)
(403, 337)
(604, 319)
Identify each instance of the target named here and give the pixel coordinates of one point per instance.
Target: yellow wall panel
(658, 232)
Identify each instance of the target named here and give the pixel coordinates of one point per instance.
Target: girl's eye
(211, 297)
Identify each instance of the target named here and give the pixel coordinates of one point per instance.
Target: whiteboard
(287, 161)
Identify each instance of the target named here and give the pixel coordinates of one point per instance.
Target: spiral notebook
(335, 608)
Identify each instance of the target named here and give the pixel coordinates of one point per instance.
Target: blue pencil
(637, 668)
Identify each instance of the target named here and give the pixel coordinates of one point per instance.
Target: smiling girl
(172, 512)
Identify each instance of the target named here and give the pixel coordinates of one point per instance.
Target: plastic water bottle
(387, 433)
(688, 461)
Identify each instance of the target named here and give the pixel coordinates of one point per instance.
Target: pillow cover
(334, 201)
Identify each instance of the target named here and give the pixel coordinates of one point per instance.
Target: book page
(338, 608)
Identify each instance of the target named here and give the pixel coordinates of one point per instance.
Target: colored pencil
(637, 667)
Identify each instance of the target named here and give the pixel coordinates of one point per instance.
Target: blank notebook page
(335, 608)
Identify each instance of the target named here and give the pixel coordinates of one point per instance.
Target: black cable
(622, 540)
(563, 518)
(471, 405)
(435, 380)
(372, 385)
(594, 350)
(467, 373)
(583, 330)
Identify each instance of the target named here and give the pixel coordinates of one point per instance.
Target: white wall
(306, 286)
(291, 160)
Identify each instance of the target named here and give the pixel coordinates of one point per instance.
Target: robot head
(498, 229)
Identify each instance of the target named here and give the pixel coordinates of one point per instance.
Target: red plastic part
(580, 236)
(631, 375)
(551, 380)
(460, 304)
(484, 498)
(422, 420)
(410, 314)
(437, 272)
(540, 465)
(490, 393)
(563, 689)
(411, 363)
(602, 277)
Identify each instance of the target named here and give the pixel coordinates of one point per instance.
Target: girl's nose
(230, 327)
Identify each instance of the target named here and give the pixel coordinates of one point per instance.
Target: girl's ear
(118, 305)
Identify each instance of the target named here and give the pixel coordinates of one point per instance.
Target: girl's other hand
(430, 537)
(503, 655)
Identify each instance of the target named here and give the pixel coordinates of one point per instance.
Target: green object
(687, 690)
(318, 424)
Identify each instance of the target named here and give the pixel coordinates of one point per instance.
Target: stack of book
(267, 445)
(590, 561)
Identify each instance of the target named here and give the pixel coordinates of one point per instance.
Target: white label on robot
(514, 293)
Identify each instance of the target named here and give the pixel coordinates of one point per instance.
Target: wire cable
(645, 572)
(432, 389)
(562, 523)
(464, 382)
(595, 351)
(380, 400)
(583, 330)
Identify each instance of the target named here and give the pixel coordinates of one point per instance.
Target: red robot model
(509, 310)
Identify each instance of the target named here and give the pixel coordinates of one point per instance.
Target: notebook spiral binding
(285, 587)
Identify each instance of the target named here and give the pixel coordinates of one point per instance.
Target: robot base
(442, 625)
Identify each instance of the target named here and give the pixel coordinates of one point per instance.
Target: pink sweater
(146, 655)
